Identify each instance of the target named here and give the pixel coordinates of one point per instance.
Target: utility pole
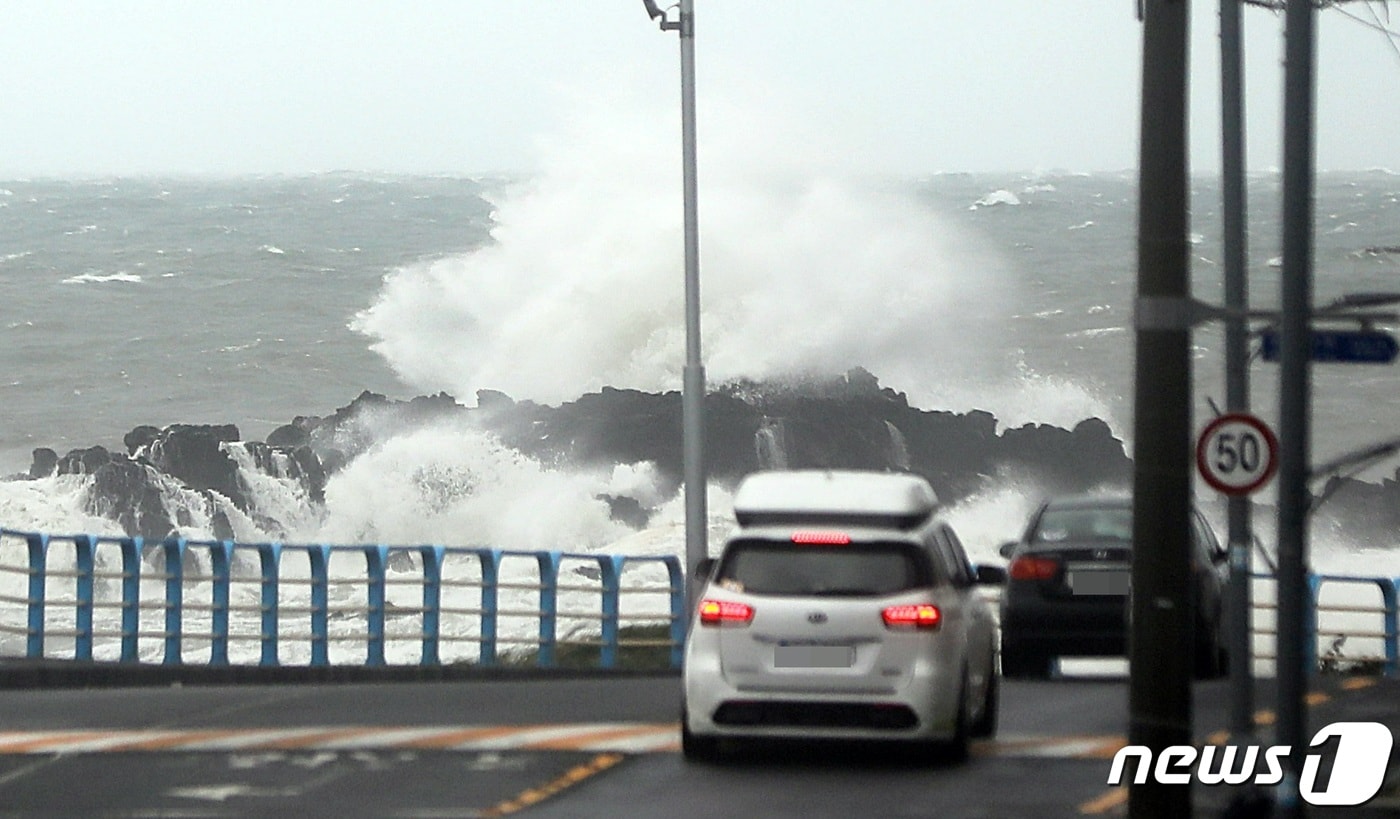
(1295, 393)
(1238, 606)
(693, 378)
(1160, 641)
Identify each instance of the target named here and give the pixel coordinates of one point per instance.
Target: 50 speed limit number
(1237, 453)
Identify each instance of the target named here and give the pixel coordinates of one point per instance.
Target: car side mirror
(991, 575)
(704, 569)
(1006, 549)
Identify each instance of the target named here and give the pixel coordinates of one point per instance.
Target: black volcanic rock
(140, 438)
(372, 417)
(291, 435)
(126, 492)
(83, 461)
(192, 455)
(298, 464)
(843, 422)
(45, 463)
(848, 422)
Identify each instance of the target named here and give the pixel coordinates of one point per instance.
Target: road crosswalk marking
(614, 737)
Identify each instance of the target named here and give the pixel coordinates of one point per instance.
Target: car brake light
(1030, 567)
(720, 612)
(923, 615)
(821, 538)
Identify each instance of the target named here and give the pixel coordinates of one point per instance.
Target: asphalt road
(578, 746)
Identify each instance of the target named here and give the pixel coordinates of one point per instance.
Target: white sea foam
(53, 504)
(455, 485)
(997, 197)
(98, 278)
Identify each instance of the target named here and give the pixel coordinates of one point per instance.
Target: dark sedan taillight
(1033, 567)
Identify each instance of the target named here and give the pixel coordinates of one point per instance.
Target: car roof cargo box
(877, 499)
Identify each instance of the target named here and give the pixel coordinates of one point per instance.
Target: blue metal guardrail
(49, 605)
(208, 571)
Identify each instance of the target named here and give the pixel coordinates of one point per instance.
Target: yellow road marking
(571, 777)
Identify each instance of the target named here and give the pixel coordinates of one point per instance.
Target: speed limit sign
(1237, 453)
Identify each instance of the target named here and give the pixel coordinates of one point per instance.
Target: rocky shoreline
(848, 421)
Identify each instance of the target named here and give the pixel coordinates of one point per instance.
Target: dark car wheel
(695, 747)
(986, 724)
(1211, 660)
(956, 749)
(1019, 662)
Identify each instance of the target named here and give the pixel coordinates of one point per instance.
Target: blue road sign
(1347, 346)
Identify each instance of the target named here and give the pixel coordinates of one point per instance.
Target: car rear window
(855, 570)
(1085, 523)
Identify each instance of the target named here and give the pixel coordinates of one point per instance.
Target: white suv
(843, 607)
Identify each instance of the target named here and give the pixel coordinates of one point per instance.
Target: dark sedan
(1069, 584)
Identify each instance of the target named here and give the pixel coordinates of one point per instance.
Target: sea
(252, 300)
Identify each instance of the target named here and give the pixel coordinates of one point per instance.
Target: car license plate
(814, 656)
(1099, 582)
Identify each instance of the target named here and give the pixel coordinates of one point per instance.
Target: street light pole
(1295, 392)
(693, 378)
(1159, 645)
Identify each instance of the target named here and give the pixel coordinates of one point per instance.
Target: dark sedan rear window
(1085, 523)
(855, 570)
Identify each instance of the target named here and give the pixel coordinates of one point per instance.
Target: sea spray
(805, 270)
(452, 483)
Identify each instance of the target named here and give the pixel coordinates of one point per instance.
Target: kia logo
(816, 618)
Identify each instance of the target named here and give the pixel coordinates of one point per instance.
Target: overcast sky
(473, 86)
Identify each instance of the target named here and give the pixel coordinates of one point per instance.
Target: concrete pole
(1295, 392)
(693, 393)
(1238, 607)
(1160, 649)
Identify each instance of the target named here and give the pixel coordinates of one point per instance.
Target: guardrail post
(432, 603)
(38, 569)
(269, 561)
(490, 577)
(549, 606)
(1390, 593)
(376, 559)
(84, 561)
(221, 567)
(174, 598)
(131, 596)
(678, 613)
(611, 566)
(319, 558)
(1313, 587)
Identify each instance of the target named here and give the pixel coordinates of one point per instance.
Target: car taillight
(1030, 567)
(724, 612)
(821, 538)
(922, 615)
